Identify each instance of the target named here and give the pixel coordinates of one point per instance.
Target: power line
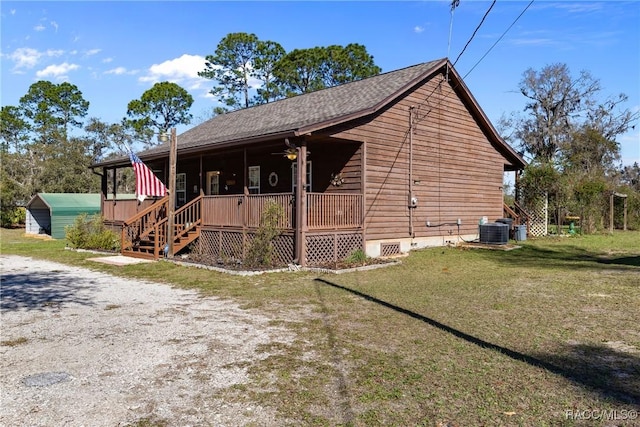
(476, 30)
(500, 38)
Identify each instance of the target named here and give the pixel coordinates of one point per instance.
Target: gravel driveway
(83, 348)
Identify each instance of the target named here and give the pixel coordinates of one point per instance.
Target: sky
(114, 51)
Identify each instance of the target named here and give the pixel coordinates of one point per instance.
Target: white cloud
(177, 70)
(107, 60)
(54, 24)
(57, 71)
(12, 11)
(92, 52)
(24, 57)
(53, 52)
(418, 29)
(117, 71)
(39, 27)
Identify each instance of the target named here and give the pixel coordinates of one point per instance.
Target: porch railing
(333, 211)
(245, 210)
(325, 211)
(123, 209)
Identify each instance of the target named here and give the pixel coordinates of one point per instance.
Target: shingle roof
(299, 112)
(316, 110)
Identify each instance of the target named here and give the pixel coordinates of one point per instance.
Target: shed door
(38, 221)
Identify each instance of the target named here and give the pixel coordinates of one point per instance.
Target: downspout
(412, 203)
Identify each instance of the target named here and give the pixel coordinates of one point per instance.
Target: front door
(213, 183)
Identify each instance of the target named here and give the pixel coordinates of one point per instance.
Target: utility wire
(421, 117)
(476, 30)
(500, 38)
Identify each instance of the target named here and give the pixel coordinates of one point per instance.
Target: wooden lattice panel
(389, 249)
(232, 245)
(322, 248)
(537, 205)
(283, 249)
(208, 244)
(347, 244)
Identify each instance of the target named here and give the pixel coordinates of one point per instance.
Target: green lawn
(535, 336)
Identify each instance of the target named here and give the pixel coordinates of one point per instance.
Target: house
(402, 160)
(50, 213)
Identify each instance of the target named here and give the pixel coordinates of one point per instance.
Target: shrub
(13, 217)
(89, 232)
(260, 250)
(357, 257)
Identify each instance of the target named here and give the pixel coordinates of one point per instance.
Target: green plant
(356, 257)
(12, 216)
(260, 250)
(89, 232)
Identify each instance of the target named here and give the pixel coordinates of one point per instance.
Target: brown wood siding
(456, 170)
(333, 158)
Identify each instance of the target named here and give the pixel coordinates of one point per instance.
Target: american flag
(147, 184)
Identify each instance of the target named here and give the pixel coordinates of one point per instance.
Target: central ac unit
(494, 234)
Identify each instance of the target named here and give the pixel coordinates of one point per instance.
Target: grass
(451, 336)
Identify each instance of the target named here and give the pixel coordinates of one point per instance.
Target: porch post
(172, 191)
(301, 204)
(363, 191)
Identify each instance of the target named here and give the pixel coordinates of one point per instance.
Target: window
(213, 183)
(254, 180)
(181, 189)
(294, 171)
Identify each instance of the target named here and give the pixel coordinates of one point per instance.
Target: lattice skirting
(231, 245)
(329, 247)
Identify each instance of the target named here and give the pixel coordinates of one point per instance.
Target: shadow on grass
(40, 291)
(564, 256)
(594, 367)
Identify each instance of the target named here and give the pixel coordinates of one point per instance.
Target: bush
(13, 217)
(357, 257)
(260, 250)
(89, 232)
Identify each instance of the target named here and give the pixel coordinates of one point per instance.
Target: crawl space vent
(388, 249)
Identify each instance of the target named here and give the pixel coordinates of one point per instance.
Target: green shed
(49, 213)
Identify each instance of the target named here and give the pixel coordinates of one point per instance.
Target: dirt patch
(92, 349)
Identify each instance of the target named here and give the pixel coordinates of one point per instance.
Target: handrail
(521, 209)
(159, 203)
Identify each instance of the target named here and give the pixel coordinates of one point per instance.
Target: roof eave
(124, 161)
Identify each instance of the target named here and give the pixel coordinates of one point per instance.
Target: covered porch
(322, 210)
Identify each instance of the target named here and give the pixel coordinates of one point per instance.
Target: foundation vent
(388, 249)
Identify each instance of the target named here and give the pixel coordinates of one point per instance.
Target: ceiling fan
(289, 153)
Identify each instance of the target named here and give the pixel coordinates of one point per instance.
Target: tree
(231, 66)
(347, 64)
(572, 136)
(159, 109)
(300, 71)
(14, 129)
(631, 176)
(105, 138)
(267, 57)
(242, 58)
(308, 70)
(54, 107)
